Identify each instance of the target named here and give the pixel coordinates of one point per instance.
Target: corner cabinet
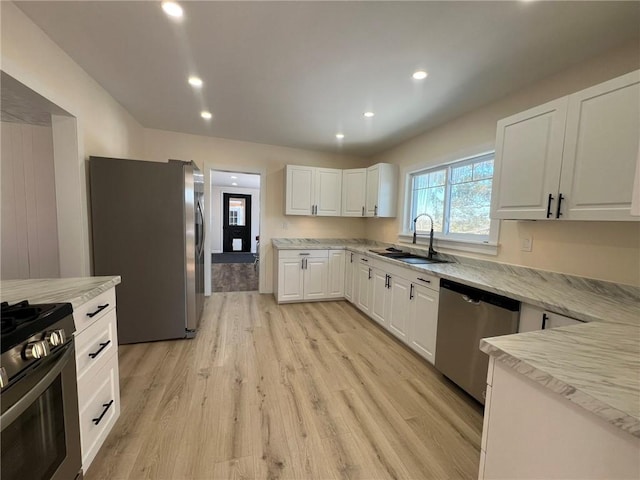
(313, 191)
(97, 371)
(573, 158)
(382, 190)
(534, 318)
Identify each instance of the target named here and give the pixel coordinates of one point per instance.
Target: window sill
(471, 246)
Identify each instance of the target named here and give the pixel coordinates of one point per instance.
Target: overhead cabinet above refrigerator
(148, 227)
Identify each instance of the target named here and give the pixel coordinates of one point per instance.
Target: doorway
(236, 226)
(235, 231)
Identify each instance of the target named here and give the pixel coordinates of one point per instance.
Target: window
(457, 196)
(233, 217)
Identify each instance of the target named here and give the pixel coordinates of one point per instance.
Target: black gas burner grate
(22, 320)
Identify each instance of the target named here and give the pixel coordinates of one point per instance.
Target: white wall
(104, 128)
(217, 211)
(603, 250)
(267, 160)
(29, 228)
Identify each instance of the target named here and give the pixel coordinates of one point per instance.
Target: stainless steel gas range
(40, 435)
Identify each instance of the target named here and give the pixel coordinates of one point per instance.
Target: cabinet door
(364, 288)
(373, 178)
(348, 276)
(354, 192)
(601, 150)
(335, 288)
(380, 297)
(290, 280)
(424, 322)
(299, 190)
(528, 161)
(328, 192)
(554, 320)
(316, 278)
(399, 304)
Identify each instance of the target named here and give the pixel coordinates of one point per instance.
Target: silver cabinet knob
(36, 350)
(4, 379)
(56, 337)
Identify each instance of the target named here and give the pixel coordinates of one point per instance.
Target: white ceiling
(295, 73)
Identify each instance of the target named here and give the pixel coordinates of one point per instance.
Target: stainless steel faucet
(432, 252)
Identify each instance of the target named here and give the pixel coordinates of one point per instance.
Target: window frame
(454, 241)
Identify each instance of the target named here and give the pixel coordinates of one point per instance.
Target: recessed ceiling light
(195, 81)
(206, 115)
(369, 114)
(339, 136)
(420, 75)
(172, 9)
(234, 184)
(233, 177)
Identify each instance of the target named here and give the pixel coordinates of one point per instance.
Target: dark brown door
(236, 226)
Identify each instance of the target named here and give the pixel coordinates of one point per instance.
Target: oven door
(39, 423)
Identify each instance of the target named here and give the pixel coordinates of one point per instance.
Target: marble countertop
(76, 291)
(594, 365)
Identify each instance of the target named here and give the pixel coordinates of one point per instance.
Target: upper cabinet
(382, 190)
(313, 191)
(354, 192)
(573, 158)
(359, 192)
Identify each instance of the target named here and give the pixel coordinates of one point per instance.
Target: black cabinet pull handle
(363, 211)
(423, 280)
(545, 317)
(100, 308)
(558, 212)
(364, 259)
(386, 281)
(369, 273)
(411, 292)
(106, 406)
(375, 211)
(351, 257)
(102, 347)
(549, 205)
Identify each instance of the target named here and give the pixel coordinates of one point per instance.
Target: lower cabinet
(97, 372)
(400, 291)
(308, 275)
(535, 318)
(423, 320)
(364, 286)
(381, 296)
(530, 431)
(348, 275)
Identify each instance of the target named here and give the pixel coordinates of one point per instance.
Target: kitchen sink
(407, 257)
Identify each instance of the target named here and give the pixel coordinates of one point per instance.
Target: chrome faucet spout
(432, 252)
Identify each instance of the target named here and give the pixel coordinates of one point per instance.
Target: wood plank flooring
(301, 391)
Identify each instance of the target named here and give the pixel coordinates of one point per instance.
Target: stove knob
(4, 379)
(56, 337)
(36, 350)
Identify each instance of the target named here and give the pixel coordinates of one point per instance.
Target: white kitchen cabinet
(532, 432)
(573, 158)
(364, 289)
(302, 275)
(535, 318)
(399, 306)
(382, 190)
(354, 192)
(313, 191)
(423, 316)
(381, 296)
(349, 268)
(97, 372)
(336, 275)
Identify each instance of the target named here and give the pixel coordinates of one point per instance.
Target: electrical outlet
(526, 244)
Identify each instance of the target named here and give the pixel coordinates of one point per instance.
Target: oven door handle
(25, 402)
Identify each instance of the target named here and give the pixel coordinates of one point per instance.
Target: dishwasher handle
(472, 301)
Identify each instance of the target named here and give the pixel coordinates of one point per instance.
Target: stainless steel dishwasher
(466, 315)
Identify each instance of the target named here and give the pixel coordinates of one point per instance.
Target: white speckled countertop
(595, 365)
(76, 291)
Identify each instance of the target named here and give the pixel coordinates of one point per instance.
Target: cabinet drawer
(303, 253)
(426, 280)
(94, 309)
(95, 345)
(99, 405)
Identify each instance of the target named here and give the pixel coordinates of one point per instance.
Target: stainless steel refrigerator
(147, 223)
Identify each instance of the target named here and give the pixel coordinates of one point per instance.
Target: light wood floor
(303, 391)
